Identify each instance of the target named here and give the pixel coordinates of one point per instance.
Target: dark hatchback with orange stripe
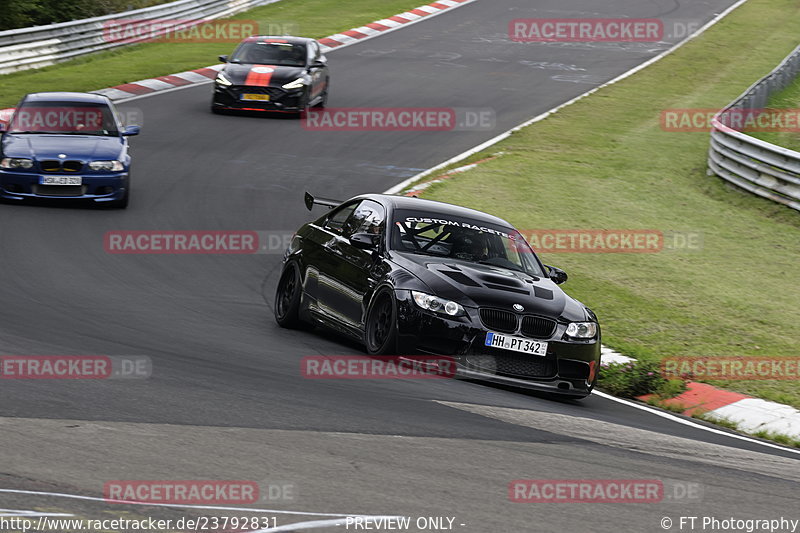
(278, 74)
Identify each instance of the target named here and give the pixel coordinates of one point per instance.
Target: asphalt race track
(226, 399)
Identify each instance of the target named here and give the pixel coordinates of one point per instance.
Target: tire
(287, 297)
(380, 330)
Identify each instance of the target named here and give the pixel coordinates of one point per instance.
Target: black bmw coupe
(412, 276)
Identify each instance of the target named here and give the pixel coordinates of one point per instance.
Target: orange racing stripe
(259, 79)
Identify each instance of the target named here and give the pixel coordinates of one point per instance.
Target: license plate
(60, 180)
(518, 344)
(259, 97)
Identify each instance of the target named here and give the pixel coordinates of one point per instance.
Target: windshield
(269, 53)
(463, 239)
(66, 118)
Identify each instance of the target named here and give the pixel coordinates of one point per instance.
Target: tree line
(25, 13)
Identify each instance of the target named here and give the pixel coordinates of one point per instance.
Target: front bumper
(98, 187)
(280, 100)
(568, 369)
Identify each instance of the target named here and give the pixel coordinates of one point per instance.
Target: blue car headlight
(436, 304)
(108, 166)
(16, 162)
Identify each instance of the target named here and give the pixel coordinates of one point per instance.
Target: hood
(477, 285)
(261, 75)
(49, 146)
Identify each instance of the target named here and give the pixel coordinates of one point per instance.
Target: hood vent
(526, 292)
(461, 278)
(499, 280)
(544, 294)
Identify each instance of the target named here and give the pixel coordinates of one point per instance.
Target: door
(350, 273)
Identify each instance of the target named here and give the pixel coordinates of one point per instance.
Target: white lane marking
(460, 157)
(409, 15)
(687, 422)
(313, 524)
(23, 513)
(184, 506)
(344, 39)
(388, 22)
(398, 26)
(365, 30)
(193, 77)
(152, 83)
(137, 97)
(117, 95)
(752, 415)
(646, 441)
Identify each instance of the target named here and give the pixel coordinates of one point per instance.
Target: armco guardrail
(752, 164)
(40, 46)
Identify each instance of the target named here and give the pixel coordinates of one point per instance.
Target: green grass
(789, 98)
(313, 18)
(604, 162)
(781, 439)
(701, 414)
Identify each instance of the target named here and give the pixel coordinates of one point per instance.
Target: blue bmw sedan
(64, 145)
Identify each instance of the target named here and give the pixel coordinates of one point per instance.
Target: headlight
(16, 162)
(299, 83)
(582, 330)
(222, 80)
(115, 166)
(437, 305)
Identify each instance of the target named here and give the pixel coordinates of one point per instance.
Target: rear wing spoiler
(312, 201)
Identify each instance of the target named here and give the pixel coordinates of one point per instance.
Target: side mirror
(556, 275)
(131, 130)
(365, 241)
(223, 58)
(317, 64)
